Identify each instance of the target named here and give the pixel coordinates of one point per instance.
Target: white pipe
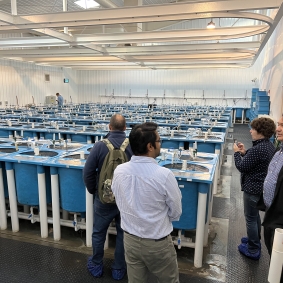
(65, 215)
(55, 207)
(234, 116)
(276, 262)
(13, 200)
(42, 205)
(26, 209)
(31, 216)
(89, 218)
(185, 242)
(3, 216)
(200, 229)
(243, 111)
(67, 223)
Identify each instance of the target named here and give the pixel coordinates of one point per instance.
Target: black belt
(161, 239)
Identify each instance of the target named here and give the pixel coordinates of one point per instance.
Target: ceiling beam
(166, 67)
(132, 50)
(173, 35)
(91, 41)
(181, 47)
(156, 10)
(148, 13)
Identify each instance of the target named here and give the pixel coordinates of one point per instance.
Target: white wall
(272, 71)
(213, 83)
(25, 80)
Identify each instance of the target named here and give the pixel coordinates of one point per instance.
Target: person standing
(273, 194)
(253, 164)
(105, 213)
(149, 199)
(60, 99)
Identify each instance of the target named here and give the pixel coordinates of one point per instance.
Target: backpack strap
(124, 144)
(108, 144)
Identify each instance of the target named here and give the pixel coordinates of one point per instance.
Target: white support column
(243, 113)
(208, 221)
(14, 10)
(234, 115)
(12, 197)
(55, 206)
(200, 229)
(65, 9)
(216, 178)
(3, 215)
(218, 168)
(89, 218)
(276, 261)
(42, 201)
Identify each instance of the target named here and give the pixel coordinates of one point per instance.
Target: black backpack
(114, 157)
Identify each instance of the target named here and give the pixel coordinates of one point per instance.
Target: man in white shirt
(149, 199)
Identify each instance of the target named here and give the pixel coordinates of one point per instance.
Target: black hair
(141, 135)
(264, 126)
(118, 122)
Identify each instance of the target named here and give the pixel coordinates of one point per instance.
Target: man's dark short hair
(118, 122)
(141, 135)
(57, 93)
(264, 126)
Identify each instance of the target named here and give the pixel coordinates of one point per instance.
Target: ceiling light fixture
(87, 4)
(211, 25)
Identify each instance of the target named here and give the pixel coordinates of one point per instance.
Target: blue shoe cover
(118, 274)
(95, 270)
(243, 249)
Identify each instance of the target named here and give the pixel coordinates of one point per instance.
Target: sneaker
(95, 270)
(118, 274)
(243, 249)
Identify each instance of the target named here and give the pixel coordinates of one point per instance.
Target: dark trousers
(268, 240)
(103, 216)
(253, 222)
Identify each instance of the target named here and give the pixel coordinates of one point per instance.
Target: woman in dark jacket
(253, 164)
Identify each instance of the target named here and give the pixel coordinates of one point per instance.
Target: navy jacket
(254, 165)
(96, 157)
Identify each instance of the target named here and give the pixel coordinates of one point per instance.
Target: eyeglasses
(160, 141)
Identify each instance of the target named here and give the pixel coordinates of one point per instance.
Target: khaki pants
(145, 255)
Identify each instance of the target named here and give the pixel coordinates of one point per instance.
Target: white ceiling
(136, 34)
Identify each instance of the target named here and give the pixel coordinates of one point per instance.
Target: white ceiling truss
(163, 36)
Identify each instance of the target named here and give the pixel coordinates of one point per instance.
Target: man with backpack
(98, 171)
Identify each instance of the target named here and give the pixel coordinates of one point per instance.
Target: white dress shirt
(147, 196)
